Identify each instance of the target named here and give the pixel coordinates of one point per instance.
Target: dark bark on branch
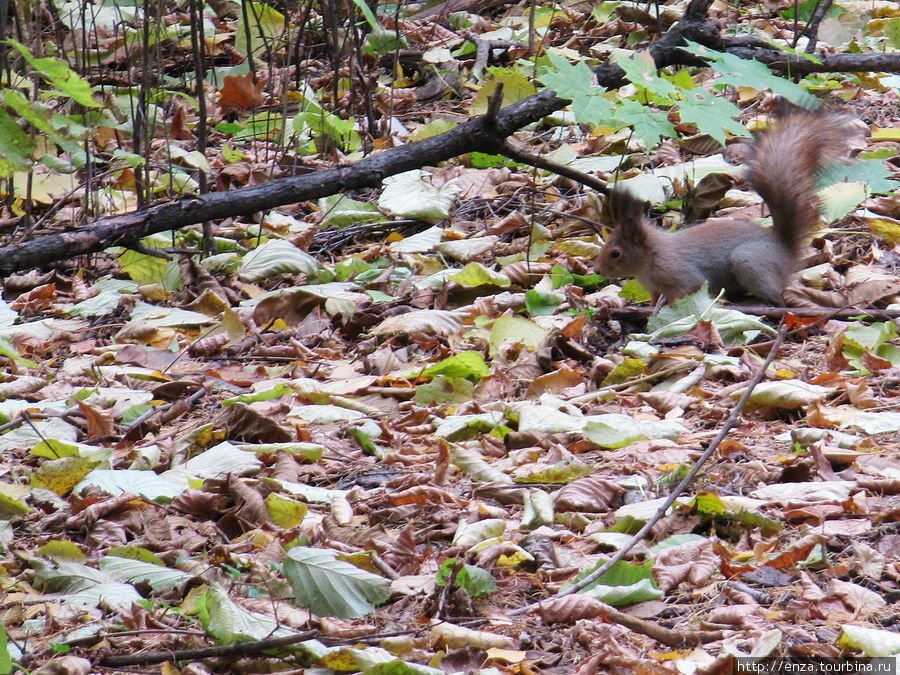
(812, 28)
(486, 133)
(236, 649)
(795, 64)
(693, 26)
(479, 134)
(696, 27)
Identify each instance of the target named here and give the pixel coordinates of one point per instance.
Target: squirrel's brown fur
(735, 255)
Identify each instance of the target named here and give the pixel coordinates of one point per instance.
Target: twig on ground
(236, 649)
(682, 486)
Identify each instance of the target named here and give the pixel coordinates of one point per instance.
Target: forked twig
(682, 486)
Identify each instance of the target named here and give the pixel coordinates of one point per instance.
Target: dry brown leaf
(555, 382)
(241, 92)
(572, 608)
(693, 563)
(590, 494)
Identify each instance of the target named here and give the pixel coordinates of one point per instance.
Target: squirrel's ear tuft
(624, 206)
(628, 213)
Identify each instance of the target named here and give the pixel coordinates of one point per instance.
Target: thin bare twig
(682, 486)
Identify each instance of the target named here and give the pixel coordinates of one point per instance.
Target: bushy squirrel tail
(784, 165)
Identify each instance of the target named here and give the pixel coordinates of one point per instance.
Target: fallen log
(477, 134)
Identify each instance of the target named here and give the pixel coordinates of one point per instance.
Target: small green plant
(473, 580)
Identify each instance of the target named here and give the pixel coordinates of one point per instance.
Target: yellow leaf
(886, 228)
(285, 512)
(61, 475)
(506, 655)
(886, 133)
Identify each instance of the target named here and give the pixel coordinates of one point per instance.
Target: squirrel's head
(625, 252)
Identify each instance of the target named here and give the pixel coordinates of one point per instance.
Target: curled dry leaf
(250, 506)
(198, 503)
(735, 615)
(341, 510)
(100, 422)
(21, 386)
(65, 665)
(428, 321)
(210, 345)
(458, 636)
(666, 401)
(858, 599)
(588, 495)
(90, 515)
(246, 424)
(523, 272)
(572, 608)
(693, 562)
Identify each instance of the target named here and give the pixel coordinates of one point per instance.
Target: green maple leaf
(576, 82)
(649, 125)
(749, 73)
(711, 114)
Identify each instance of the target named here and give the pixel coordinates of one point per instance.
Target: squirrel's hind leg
(763, 277)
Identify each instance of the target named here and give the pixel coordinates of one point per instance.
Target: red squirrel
(739, 256)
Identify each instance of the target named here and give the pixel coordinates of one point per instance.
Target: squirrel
(737, 256)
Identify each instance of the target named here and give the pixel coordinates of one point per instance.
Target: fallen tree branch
(670, 637)
(748, 47)
(127, 229)
(695, 26)
(235, 649)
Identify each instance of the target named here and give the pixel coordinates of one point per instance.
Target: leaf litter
(397, 442)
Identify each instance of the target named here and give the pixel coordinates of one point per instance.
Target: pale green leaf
(277, 257)
(412, 195)
(145, 484)
(341, 210)
(516, 329)
(230, 623)
(137, 571)
(870, 641)
(467, 364)
(475, 274)
(422, 242)
(331, 587)
(783, 394)
(469, 534)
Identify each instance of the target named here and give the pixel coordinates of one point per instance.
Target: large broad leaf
(82, 585)
(341, 210)
(422, 242)
(230, 623)
(332, 587)
(749, 73)
(277, 257)
(684, 313)
(15, 145)
(134, 571)
(577, 82)
(412, 195)
(147, 484)
(871, 641)
(216, 462)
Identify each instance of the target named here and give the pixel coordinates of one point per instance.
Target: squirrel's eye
(615, 253)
